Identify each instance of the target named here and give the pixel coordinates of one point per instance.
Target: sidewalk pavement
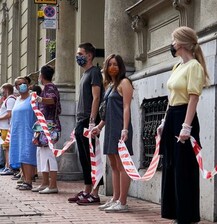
(26, 207)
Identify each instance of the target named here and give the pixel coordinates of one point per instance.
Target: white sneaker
(109, 203)
(117, 207)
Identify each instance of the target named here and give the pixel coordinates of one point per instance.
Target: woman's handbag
(102, 107)
(39, 137)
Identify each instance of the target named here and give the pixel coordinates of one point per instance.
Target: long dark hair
(122, 70)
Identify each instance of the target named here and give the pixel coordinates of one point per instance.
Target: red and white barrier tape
(57, 152)
(42, 122)
(197, 150)
(130, 167)
(134, 174)
(95, 158)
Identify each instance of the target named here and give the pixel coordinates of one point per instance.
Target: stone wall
(153, 23)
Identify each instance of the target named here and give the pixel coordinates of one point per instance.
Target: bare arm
(47, 100)
(101, 124)
(191, 110)
(95, 104)
(6, 116)
(127, 93)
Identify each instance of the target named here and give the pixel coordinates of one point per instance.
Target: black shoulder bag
(102, 107)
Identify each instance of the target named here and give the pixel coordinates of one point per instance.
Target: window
(153, 111)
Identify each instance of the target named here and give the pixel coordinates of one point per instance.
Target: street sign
(50, 16)
(49, 24)
(50, 12)
(52, 2)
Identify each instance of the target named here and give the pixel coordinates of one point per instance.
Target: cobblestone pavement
(26, 207)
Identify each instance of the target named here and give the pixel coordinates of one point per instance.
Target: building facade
(138, 30)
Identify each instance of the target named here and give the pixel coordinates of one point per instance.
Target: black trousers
(84, 151)
(180, 174)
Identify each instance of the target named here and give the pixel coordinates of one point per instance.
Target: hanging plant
(51, 45)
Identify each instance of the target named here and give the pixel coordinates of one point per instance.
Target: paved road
(25, 207)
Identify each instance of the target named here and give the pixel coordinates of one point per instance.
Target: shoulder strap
(11, 96)
(108, 93)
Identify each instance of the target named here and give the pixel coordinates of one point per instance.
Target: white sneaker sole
(116, 211)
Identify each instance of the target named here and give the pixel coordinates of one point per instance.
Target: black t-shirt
(91, 77)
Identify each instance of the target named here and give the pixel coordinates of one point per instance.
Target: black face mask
(173, 50)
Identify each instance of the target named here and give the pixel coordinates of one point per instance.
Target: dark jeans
(84, 151)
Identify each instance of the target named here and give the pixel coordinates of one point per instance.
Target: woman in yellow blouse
(180, 174)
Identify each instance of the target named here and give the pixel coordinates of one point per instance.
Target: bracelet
(98, 129)
(125, 130)
(184, 125)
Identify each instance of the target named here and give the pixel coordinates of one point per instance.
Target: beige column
(65, 39)
(4, 44)
(118, 32)
(65, 80)
(16, 40)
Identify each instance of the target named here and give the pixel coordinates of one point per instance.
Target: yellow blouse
(186, 79)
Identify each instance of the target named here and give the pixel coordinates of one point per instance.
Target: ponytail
(200, 58)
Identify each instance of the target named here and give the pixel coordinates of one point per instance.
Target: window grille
(153, 111)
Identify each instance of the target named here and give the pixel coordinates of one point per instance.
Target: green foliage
(51, 45)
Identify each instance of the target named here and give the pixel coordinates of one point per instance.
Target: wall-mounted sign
(50, 12)
(49, 24)
(40, 14)
(52, 2)
(50, 16)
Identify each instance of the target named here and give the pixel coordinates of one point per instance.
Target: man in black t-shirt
(87, 116)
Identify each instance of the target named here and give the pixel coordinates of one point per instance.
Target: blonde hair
(188, 38)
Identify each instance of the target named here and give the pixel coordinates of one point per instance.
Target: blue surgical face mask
(81, 60)
(23, 88)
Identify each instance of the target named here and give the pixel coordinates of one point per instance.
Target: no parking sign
(50, 12)
(50, 16)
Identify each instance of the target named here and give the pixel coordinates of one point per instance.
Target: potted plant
(51, 46)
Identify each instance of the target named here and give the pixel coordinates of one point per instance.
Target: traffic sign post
(50, 16)
(50, 12)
